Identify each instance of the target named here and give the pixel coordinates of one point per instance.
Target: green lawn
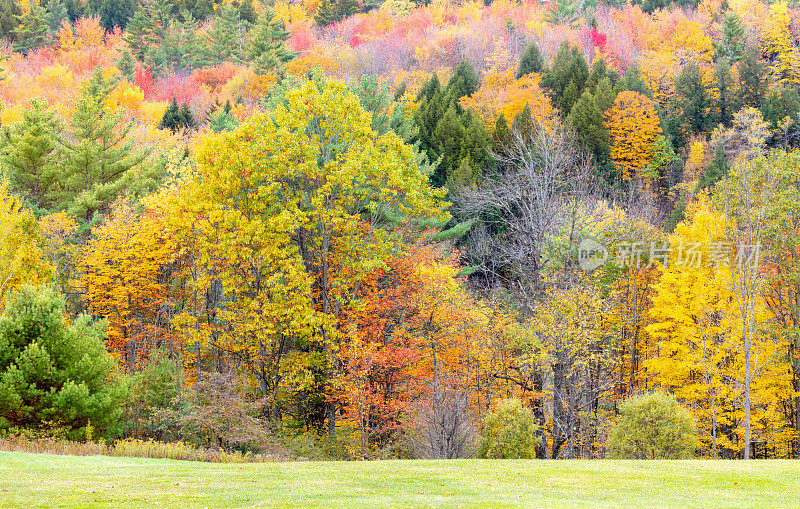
(31, 480)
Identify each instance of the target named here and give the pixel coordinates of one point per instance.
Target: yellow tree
(778, 47)
(22, 246)
(291, 207)
(123, 276)
(633, 126)
(696, 354)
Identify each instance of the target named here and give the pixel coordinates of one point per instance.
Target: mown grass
(41, 480)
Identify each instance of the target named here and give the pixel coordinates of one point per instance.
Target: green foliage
(125, 64)
(222, 120)
(692, 104)
(715, 171)
(531, 61)
(653, 426)
(753, 78)
(567, 78)
(564, 12)
(55, 13)
(449, 134)
(153, 400)
(53, 373)
(176, 118)
(727, 101)
(587, 120)
(224, 41)
(632, 80)
(732, 42)
(779, 104)
(115, 13)
(9, 13)
(509, 431)
(334, 11)
(99, 155)
(31, 34)
(29, 156)
(267, 46)
(604, 94)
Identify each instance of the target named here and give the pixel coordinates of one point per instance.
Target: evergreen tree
(55, 373)
(75, 9)
(752, 78)
(31, 34)
(779, 104)
(564, 11)
(531, 61)
(9, 19)
(115, 13)
(569, 97)
(632, 80)
(30, 157)
(247, 12)
(55, 14)
(604, 95)
(125, 64)
(267, 47)
(691, 100)
(727, 101)
(334, 11)
(222, 120)
(569, 66)
(224, 42)
(99, 155)
(137, 34)
(587, 120)
(732, 43)
(464, 81)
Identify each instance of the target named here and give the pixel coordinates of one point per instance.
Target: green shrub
(653, 426)
(509, 431)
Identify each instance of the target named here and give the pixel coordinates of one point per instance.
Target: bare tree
(445, 425)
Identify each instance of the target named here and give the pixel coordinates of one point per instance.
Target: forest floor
(41, 480)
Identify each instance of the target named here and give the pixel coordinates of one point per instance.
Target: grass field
(34, 480)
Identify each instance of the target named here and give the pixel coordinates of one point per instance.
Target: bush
(653, 426)
(53, 374)
(509, 431)
(152, 406)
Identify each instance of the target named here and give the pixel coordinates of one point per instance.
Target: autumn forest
(346, 229)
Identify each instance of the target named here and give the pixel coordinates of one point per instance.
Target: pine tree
(99, 155)
(267, 47)
(138, 29)
(31, 34)
(692, 101)
(733, 39)
(30, 154)
(224, 41)
(327, 13)
(587, 120)
(604, 94)
(115, 13)
(55, 14)
(9, 19)
(569, 66)
(752, 78)
(727, 101)
(531, 61)
(125, 64)
(464, 81)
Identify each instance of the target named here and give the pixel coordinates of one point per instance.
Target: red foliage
(302, 37)
(181, 89)
(143, 78)
(597, 39)
(214, 77)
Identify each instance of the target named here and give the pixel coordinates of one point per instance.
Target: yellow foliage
(502, 94)
(11, 115)
(126, 96)
(633, 125)
(56, 76)
(151, 113)
(289, 13)
(778, 45)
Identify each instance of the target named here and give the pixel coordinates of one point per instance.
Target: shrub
(653, 426)
(509, 431)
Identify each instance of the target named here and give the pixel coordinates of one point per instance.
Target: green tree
(125, 64)
(464, 81)
(55, 14)
(753, 78)
(54, 373)
(99, 154)
(732, 41)
(587, 120)
(509, 431)
(268, 44)
(779, 104)
(224, 41)
(31, 34)
(653, 426)
(692, 104)
(727, 101)
(9, 19)
(30, 155)
(531, 61)
(569, 67)
(115, 13)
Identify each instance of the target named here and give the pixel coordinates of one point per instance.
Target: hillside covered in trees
(366, 230)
